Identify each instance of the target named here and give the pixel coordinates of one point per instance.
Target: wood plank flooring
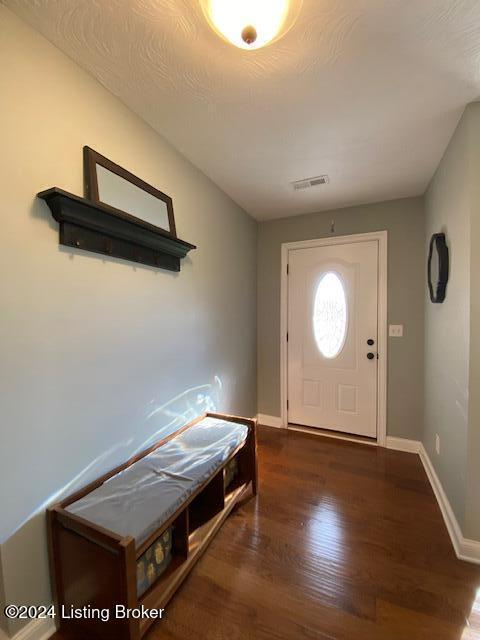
(344, 541)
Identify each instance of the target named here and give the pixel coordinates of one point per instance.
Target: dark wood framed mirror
(438, 267)
(127, 195)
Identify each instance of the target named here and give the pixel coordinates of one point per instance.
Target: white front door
(332, 337)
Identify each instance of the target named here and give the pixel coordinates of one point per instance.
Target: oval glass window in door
(330, 315)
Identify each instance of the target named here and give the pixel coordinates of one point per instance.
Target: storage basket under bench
(132, 536)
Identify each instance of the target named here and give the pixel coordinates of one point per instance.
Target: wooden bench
(96, 568)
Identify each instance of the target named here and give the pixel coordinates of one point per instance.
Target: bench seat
(142, 497)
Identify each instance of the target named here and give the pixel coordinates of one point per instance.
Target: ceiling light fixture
(251, 24)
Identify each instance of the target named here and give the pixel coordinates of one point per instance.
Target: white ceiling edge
(352, 205)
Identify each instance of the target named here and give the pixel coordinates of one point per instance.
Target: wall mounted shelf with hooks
(93, 227)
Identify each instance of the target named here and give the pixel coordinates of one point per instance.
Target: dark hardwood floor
(344, 541)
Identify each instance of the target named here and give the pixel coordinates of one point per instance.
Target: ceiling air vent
(310, 182)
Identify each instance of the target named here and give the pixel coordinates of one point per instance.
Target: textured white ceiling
(367, 91)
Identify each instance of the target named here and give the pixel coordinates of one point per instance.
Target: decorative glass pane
(330, 315)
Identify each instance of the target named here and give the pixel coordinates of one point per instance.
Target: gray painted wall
(472, 515)
(100, 356)
(452, 344)
(404, 221)
(447, 325)
(3, 603)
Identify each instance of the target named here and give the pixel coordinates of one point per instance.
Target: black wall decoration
(438, 267)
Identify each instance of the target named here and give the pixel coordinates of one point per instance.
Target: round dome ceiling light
(251, 24)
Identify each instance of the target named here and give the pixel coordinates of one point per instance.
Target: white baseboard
(270, 421)
(36, 630)
(465, 549)
(469, 550)
(402, 444)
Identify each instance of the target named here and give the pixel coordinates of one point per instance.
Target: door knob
(370, 355)
(370, 342)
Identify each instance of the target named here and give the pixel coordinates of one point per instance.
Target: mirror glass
(122, 194)
(435, 268)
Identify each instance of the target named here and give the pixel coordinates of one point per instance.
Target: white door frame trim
(382, 238)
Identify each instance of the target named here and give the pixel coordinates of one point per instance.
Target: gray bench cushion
(138, 500)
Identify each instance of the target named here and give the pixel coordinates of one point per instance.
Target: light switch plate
(395, 331)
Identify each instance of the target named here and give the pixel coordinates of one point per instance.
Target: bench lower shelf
(198, 543)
